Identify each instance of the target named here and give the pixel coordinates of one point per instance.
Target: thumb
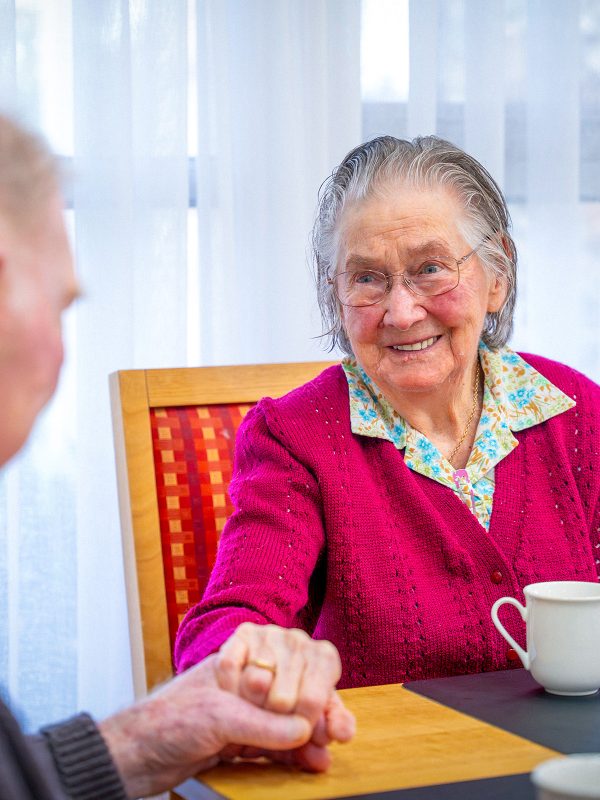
(246, 724)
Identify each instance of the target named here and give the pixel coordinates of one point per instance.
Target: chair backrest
(174, 433)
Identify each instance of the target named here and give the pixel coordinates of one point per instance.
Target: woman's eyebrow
(355, 261)
(431, 247)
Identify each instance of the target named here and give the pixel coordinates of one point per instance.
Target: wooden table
(407, 740)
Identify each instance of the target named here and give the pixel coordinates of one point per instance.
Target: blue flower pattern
(515, 397)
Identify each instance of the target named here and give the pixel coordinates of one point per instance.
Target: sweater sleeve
(269, 548)
(81, 759)
(67, 760)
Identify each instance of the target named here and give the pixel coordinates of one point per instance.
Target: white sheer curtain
(179, 265)
(130, 203)
(279, 97)
(517, 84)
(197, 135)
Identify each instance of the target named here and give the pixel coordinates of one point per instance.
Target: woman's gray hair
(425, 162)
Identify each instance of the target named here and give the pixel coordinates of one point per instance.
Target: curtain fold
(279, 105)
(131, 204)
(423, 68)
(554, 240)
(485, 99)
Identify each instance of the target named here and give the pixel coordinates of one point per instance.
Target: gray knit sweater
(68, 760)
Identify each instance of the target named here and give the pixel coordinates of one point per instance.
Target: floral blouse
(515, 397)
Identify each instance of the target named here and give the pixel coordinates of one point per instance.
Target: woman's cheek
(458, 308)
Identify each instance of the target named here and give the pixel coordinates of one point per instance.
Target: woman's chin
(409, 381)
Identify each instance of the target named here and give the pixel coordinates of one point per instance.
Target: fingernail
(298, 727)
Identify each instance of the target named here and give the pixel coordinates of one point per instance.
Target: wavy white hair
(426, 162)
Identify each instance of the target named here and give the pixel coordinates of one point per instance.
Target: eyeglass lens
(367, 287)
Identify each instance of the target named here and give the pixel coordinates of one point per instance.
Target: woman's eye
(362, 278)
(430, 268)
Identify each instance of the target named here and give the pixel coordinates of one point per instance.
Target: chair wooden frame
(133, 394)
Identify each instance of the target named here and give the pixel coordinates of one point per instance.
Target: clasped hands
(285, 671)
(269, 691)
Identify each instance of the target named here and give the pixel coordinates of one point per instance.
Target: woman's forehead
(414, 219)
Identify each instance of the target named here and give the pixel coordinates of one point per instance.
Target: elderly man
(192, 721)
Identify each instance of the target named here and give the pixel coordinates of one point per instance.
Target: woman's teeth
(417, 345)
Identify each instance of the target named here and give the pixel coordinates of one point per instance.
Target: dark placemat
(192, 789)
(511, 787)
(512, 700)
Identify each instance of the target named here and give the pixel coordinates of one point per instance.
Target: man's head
(37, 282)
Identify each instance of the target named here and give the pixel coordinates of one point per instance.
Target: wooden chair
(174, 433)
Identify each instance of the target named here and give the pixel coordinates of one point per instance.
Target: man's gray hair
(29, 174)
(424, 162)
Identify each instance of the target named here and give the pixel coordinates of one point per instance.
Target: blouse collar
(522, 396)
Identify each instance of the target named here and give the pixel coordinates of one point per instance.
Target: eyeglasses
(366, 287)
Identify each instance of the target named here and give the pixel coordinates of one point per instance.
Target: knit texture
(333, 533)
(83, 761)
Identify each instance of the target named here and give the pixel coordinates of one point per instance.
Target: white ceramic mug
(563, 635)
(572, 778)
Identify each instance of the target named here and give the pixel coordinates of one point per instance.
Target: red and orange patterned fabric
(193, 457)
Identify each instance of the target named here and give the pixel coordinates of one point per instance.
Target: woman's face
(403, 227)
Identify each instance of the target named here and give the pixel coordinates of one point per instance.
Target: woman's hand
(284, 670)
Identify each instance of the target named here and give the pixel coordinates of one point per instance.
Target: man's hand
(191, 723)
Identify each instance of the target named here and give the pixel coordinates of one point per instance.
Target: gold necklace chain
(471, 415)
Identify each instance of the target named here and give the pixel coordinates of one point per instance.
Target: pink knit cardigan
(335, 534)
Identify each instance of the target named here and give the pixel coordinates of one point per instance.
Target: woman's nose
(402, 306)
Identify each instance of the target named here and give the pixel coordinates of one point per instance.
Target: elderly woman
(387, 504)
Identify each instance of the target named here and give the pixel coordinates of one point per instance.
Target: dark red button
(496, 576)
(512, 655)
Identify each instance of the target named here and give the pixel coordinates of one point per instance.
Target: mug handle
(523, 655)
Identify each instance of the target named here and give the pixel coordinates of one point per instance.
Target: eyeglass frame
(389, 281)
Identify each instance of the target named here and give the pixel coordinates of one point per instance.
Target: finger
(340, 722)
(320, 735)
(255, 681)
(230, 662)
(285, 687)
(313, 758)
(309, 757)
(321, 673)
(245, 724)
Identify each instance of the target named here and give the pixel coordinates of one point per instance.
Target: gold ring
(256, 662)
